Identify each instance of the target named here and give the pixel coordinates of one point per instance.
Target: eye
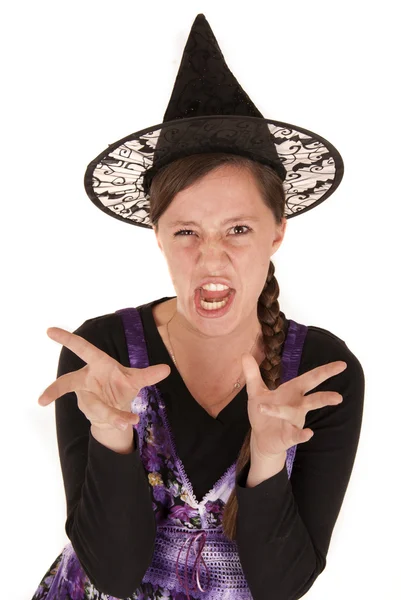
(183, 231)
(242, 226)
(188, 231)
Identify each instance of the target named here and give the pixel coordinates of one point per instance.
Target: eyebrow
(230, 220)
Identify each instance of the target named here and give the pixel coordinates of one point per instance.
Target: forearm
(112, 527)
(274, 546)
(110, 518)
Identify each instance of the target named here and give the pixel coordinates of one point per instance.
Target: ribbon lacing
(193, 538)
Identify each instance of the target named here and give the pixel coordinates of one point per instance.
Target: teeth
(214, 287)
(213, 305)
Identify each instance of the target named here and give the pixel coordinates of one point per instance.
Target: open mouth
(216, 302)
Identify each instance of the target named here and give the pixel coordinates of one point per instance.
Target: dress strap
(290, 362)
(135, 335)
(292, 350)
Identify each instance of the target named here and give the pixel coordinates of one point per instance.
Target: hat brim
(114, 180)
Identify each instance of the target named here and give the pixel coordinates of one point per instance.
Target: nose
(213, 257)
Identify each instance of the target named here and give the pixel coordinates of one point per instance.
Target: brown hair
(179, 175)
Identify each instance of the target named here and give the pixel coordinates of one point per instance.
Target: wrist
(114, 439)
(264, 467)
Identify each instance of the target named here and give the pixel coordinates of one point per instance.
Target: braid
(273, 330)
(272, 324)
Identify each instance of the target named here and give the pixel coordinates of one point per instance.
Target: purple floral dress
(192, 559)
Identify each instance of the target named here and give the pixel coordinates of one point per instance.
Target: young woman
(206, 440)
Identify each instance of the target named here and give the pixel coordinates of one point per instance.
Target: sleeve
(110, 518)
(284, 525)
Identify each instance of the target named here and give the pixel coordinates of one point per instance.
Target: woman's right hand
(104, 387)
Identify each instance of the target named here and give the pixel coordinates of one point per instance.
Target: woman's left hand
(279, 425)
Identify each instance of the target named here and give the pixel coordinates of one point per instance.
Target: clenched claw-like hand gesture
(104, 387)
(277, 417)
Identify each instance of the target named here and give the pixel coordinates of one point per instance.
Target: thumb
(152, 374)
(253, 378)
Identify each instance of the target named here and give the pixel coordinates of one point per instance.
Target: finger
(307, 403)
(149, 375)
(289, 413)
(120, 418)
(292, 435)
(123, 421)
(304, 435)
(69, 382)
(253, 378)
(106, 417)
(321, 399)
(77, 344)
(311, 379)
(299, 436)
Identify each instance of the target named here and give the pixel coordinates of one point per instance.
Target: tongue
(217, 295)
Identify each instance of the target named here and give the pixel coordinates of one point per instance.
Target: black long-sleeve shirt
(284, 525)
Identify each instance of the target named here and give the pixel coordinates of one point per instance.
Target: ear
(280, 232)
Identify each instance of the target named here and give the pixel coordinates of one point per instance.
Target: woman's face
(232, 235)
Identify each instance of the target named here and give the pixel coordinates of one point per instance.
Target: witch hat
(208, 111)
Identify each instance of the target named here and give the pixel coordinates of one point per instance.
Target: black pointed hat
(210, 112)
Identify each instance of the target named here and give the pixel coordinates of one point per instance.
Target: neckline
(147, 314)
(235, 410)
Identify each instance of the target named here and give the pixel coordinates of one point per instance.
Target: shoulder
(100, 328)
(322, 346)
(107, 331)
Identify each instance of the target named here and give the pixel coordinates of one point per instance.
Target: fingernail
(122, 425)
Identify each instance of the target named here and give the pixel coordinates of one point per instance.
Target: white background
(80, 75)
